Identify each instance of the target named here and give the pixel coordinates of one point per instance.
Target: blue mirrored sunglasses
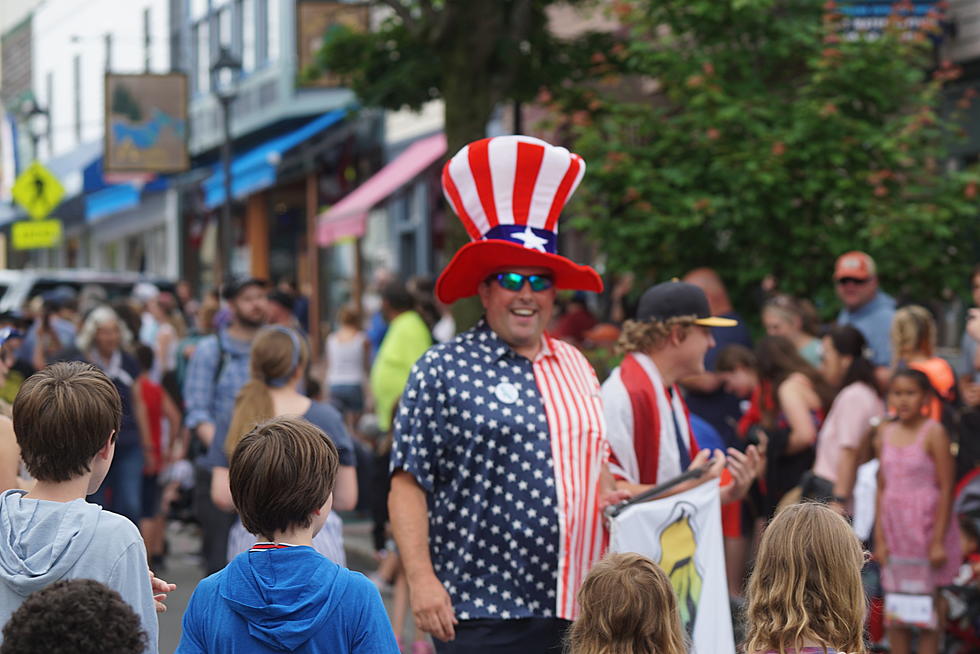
(515, 281)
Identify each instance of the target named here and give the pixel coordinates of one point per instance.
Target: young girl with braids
(278, 364)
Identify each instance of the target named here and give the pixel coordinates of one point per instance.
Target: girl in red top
(156, 405)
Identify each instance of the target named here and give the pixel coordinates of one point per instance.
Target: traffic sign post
(38, 191)
(36, 234)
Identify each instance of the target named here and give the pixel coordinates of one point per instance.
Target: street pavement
(184, 569)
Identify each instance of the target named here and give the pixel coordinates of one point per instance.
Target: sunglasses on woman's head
(512, 281)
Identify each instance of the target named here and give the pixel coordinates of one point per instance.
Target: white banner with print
(682, 533)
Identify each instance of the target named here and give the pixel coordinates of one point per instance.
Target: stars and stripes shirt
(509, 451)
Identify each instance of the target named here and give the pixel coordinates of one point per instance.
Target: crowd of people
(486, 459)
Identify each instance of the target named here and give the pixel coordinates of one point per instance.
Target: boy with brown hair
(282, 595)
(66, 418)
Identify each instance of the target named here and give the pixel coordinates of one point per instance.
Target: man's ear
(107, 447)
(483, 292)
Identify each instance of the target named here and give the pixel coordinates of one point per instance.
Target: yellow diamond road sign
(38, 191)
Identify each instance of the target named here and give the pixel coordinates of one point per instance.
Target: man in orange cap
(498, 460)
(866, 306)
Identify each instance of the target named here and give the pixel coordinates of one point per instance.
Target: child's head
(737, 365)
(349, 316)
(913, 332)
(806, 585)
(80, 616)
(65, 415)
(908, 391)
(278, 356)
(844, 358)
(144, 357)
(627, 605)
(282, 476)
(969, 532)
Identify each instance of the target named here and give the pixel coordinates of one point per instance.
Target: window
(147, 40)
(108, 52)
(272, 28)
(261, 31)
(77, 77)
(225, 37)
(248, 35)
(202, 59)
(198, 9)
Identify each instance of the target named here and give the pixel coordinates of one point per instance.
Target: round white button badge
(506, 393)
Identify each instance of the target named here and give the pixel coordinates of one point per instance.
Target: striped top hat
(508, 191)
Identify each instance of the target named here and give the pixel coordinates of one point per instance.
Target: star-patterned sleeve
(419, 428)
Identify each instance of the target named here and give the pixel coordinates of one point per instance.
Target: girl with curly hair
(805, 593)
(627, 607)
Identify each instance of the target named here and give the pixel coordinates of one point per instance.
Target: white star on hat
(531, 240)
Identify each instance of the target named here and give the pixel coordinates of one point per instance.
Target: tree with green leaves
(475, 55)
(762, 138)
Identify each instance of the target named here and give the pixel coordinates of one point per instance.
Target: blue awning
(256, 169)
(109, 200)
(104, 198)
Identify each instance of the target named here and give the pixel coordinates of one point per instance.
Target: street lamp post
(34, 116)
(224, 73)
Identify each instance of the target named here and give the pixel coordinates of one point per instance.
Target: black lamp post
(36, 118)
(224, 76)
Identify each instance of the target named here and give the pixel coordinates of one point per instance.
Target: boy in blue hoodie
(66, 417)
(282, 595)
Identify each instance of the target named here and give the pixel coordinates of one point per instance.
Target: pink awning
(349, 216)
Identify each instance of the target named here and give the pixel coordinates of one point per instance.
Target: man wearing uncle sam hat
(498, 462)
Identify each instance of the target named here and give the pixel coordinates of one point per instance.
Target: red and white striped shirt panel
(570, 391)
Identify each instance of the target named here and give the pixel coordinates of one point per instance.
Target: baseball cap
(854, 264)
(236, 285)
(284, 300)
(673, 299)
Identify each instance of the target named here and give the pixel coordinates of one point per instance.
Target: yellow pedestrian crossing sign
(38, 191)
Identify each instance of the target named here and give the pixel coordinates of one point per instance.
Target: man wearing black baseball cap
(216, 372)
(649, 431)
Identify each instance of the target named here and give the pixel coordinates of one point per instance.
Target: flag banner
(682, 534)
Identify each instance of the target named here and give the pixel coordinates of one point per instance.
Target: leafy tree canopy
(761, 139)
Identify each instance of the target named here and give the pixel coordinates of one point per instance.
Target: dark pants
(379, 499)
(124, 484)
(215, 523)
(537, 635)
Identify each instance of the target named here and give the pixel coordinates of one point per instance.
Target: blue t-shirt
(874, 320)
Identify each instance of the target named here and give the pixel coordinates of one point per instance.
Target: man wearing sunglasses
(498, 454)
(866, 306)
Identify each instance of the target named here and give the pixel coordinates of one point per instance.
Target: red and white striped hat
(508, 191)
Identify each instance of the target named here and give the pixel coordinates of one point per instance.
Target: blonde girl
(277, 365)
(805, 593)
(627, 607)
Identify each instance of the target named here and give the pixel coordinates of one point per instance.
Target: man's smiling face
(518, 317)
